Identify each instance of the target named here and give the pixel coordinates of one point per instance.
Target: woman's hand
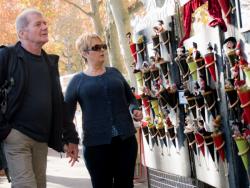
(137, 115)
(72, 152)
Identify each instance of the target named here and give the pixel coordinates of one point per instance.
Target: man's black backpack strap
(5, 88)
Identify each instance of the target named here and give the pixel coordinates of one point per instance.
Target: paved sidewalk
(61, 175)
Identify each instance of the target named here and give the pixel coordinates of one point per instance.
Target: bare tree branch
(79, 8)
(95, 5)
(135, 7)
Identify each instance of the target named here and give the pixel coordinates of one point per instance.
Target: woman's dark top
(106, 101)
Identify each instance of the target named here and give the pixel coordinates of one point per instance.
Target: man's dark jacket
(12, 59)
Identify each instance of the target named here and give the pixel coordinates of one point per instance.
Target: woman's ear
(84, 54)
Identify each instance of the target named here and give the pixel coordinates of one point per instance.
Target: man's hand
(72, 152)
(137, 115)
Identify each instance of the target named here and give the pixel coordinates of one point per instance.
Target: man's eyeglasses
(98, 47)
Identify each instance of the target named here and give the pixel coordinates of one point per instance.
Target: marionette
(163, 98)
(155, 72)
(165, 34)
(207, 138)
(243, 64)
(156, 41)
(191, 102)
(141, 48)
(170, 128)
(138, 97)
(172, 98)
(241, 137)
(219, 142)
(199, 140)
(132, 46)
(158, 122)
(189, 132)
(230, 44)
(211, 62)
(199, 61)
(146, 74)
(152, 130)
(146, 100)
(192, 65)
(243, 151)
(244, 95)
(144, 127)
(234, 102)
(161, 131)
(210, 97)
(164, 69)
(246, 134)
(182, 64)
(139, 80)
(155, 106)
(199, 100)
(168, 97)
(240, 54)
(146, 104)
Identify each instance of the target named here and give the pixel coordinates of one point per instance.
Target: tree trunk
(121, 18)
(96, 17)
(114, 48)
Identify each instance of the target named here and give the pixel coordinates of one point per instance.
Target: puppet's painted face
(230, 45)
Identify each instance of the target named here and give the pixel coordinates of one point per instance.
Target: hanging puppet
(141, 51)
(146, 75)
(156, 41)
(210, 97)
(211, 63)
(191, 103)
(219, 142)
(155, 72)
(182, 64)
(207, 138)
(170, 128)
(132, 47)
(165, 70)
(244, 95)
(231, 57)
(165, 35)
(192, 66)
(189, 132)
(199, 61)
(139, 80)
(199, 100)
(161, 131)
(234, 102)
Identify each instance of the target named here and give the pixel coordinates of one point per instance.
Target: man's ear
(21, 34)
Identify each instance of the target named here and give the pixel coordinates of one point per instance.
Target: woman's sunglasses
(98, 47)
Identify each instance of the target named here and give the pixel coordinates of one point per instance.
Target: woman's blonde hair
(83, 42)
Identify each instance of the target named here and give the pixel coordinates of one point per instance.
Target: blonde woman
(107, 102)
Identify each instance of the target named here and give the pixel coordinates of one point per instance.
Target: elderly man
(33, 117)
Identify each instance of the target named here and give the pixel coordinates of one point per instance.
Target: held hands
(137, 115)
(72, 152)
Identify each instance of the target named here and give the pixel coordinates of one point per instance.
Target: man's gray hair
(22, 19)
